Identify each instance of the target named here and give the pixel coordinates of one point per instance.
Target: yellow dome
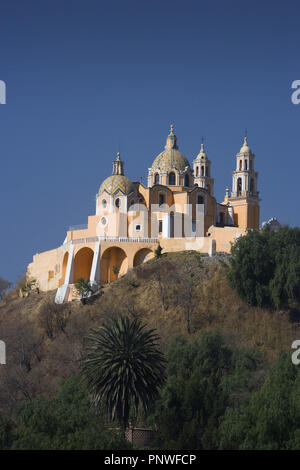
(201, 154)
(245, 148)
(116, 183)
(170, 157)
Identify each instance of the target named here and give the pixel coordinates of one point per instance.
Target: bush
(265, 268)
(65, 423)
(83, 287)
(158, 252)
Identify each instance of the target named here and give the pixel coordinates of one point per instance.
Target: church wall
(201, 244)
(224, 236)
(46, 268)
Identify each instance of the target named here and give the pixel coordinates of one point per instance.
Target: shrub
(265, 268)
(83, 287)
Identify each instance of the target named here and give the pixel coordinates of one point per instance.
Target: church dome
(201, 155)
(170, 157)
(245, 147)
(117, 181)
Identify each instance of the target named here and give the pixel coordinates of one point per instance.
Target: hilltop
(180, 293)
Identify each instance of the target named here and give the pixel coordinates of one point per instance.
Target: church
(176, 210)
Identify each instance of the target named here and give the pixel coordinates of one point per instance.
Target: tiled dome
(116, 183)
(170, 157)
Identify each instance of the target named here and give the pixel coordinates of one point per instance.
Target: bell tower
(244, 196)
(202, 175)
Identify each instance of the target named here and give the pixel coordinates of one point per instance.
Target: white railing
(113, 239)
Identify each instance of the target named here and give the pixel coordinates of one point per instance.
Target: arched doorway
(142, 256)
(113, 264)
(186, 180)
(83, 263)
(64, 268)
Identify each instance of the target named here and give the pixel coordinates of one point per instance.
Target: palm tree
(123, 367)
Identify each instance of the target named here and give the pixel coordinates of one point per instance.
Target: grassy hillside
(179, 293)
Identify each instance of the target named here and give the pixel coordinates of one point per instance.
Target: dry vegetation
(179, 293)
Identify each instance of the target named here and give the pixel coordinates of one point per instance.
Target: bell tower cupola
(118, 166)
(244, 178)
(244, 199)
(202, 171)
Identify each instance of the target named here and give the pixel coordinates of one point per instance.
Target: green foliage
(272, 417)
(123, 367)
(265, 267)
(195, 396)
(7, 433)
(116, 269)
(83, 287)
(64, 423)
(27, 285)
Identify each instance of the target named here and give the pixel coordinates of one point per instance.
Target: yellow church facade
(176, 210)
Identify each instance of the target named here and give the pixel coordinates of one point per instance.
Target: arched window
(200, 199)
(202, 171)
(246, 164)
(239, 186)
(186, 180)
(161, 199)
(104, 203)
(197, 171)
(172, 224)
(118, 203)
(251, 186)
(241, 163)
(172, 178)
(156, 178)
(207, 171)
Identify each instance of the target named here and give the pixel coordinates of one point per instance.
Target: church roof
(170, 157)
(245, 147)
(201, 155)
(116, 183)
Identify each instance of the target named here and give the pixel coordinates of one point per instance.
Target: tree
(265, 267)
(53, 318)
(270, 421)
(163, 273)
(204, 377)
(7, 433)
(188, 280)
(66, 422)
(83, 288)
(4, 286)
(123, 367)
(193, 399)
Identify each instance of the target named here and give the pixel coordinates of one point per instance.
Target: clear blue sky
(87, 78)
